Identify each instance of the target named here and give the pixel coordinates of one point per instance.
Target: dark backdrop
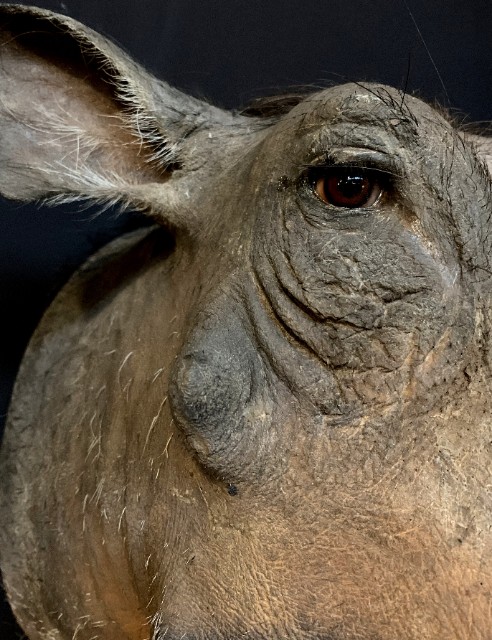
(230, 51)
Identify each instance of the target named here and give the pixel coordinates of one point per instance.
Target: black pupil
(347, 187)
(351, 185)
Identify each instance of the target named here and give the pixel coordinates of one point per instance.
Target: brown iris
(347, 187)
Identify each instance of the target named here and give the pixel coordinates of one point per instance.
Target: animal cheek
(211, 391)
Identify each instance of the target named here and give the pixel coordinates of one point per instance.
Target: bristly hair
(271, 107)
(278, 105)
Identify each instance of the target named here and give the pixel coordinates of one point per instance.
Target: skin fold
(268, 415)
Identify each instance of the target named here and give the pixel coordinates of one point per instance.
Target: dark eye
(348, 187)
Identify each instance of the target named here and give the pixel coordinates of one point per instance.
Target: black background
(230, 51)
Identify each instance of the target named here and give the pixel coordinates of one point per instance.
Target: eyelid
(347, 157)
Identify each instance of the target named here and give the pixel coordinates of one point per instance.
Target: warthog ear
(79, 119)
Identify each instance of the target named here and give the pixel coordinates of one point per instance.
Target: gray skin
(269, 415)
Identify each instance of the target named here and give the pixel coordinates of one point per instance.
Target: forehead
(367, 105)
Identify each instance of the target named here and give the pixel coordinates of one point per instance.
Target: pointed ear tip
(18, 13)
(26, 12)
(11, 7)
(19, 9)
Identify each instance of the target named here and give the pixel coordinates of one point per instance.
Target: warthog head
(269, 416)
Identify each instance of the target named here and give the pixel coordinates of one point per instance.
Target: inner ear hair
(83, 111)
(77, 56)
